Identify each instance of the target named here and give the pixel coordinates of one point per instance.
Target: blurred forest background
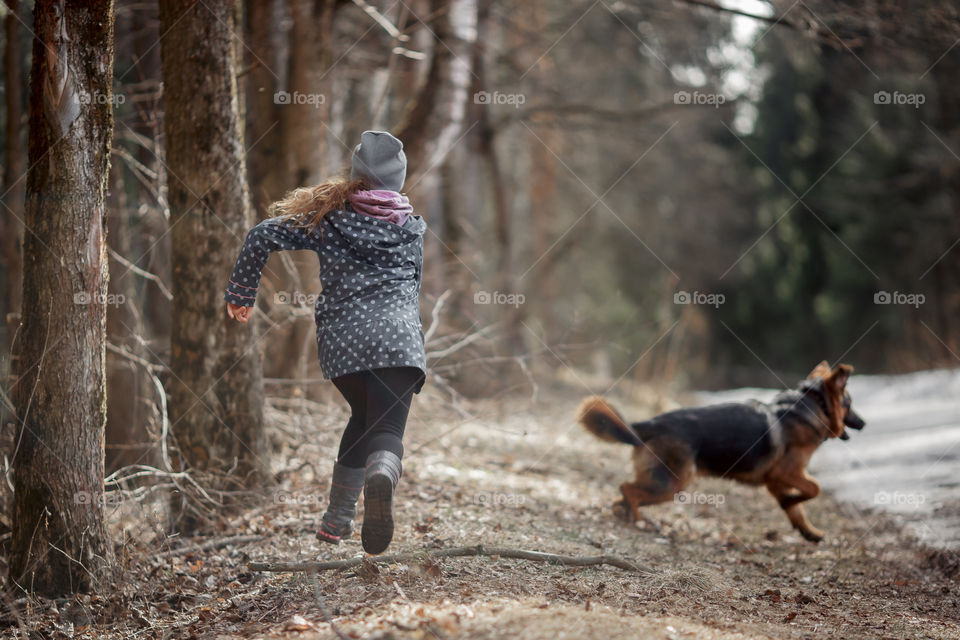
(587, 169)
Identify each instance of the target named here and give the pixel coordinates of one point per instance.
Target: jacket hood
(367, 234)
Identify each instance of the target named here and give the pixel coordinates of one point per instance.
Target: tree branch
(382, 20)
(592, 111)
(774, 20)
(143, 273)
(455, 552)
(435, 316)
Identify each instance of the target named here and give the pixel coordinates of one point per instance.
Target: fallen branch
(455, 552)
(210, 545)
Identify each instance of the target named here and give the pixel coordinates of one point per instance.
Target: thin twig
(534, 387)
(142, 273)
(435, 316)
(771, 20)
(164, 422)
(146, 364)
(323, 608)
(455, 552)
(382, 20)
(471, 338)
(409, 53)
(148, 471)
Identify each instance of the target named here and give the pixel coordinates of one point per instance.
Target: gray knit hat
(380, 159)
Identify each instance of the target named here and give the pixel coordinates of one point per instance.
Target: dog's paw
(812, 534)
(623, 512)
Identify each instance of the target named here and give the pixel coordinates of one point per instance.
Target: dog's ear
(834, 384)
(822, 370)
(838, 377)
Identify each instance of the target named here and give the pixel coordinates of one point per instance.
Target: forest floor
(520, 474)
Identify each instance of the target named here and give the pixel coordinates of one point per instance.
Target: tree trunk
(264, 38)
(127, 440)
(150, 244)
(434, 123)
(11, 212)
(945, 75)
(303, 116)
(59, 542)
(302, 129)
(503, 217)
(128, 387)
(216, 395)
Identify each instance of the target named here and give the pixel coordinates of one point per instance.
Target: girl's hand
(238, 313)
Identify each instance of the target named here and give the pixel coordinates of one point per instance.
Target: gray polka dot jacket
(368, 314)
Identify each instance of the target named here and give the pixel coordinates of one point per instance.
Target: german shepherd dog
(751, 442)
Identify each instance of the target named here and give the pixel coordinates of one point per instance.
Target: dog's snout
(853, 420)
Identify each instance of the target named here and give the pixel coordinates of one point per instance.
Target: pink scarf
(382, 203)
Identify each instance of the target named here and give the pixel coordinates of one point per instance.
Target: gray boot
(383, 473)
(345, 488)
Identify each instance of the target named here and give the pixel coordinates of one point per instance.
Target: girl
(369, 336)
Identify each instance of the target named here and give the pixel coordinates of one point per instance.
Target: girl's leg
(389, 392)
(388, 402)
(353, 387)
(348, 471)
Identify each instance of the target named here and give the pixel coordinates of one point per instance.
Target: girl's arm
(273, 234)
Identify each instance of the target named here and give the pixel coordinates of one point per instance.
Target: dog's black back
(725, 438)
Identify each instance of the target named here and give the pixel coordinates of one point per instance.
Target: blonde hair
(306, 206)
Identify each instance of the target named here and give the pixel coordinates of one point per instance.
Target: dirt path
(727, 568)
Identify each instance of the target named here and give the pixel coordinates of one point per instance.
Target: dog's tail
(597, 416)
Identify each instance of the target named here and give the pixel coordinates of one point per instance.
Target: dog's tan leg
(798, 518)
(636, 496)
(623, 508)
(790, 496)
(660, 470)
(808, 489)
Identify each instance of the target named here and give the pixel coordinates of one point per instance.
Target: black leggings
(379, 403)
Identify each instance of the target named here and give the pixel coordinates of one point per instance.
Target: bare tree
(59, 542)
(216, 394)
(436, 119)
(261, 81)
